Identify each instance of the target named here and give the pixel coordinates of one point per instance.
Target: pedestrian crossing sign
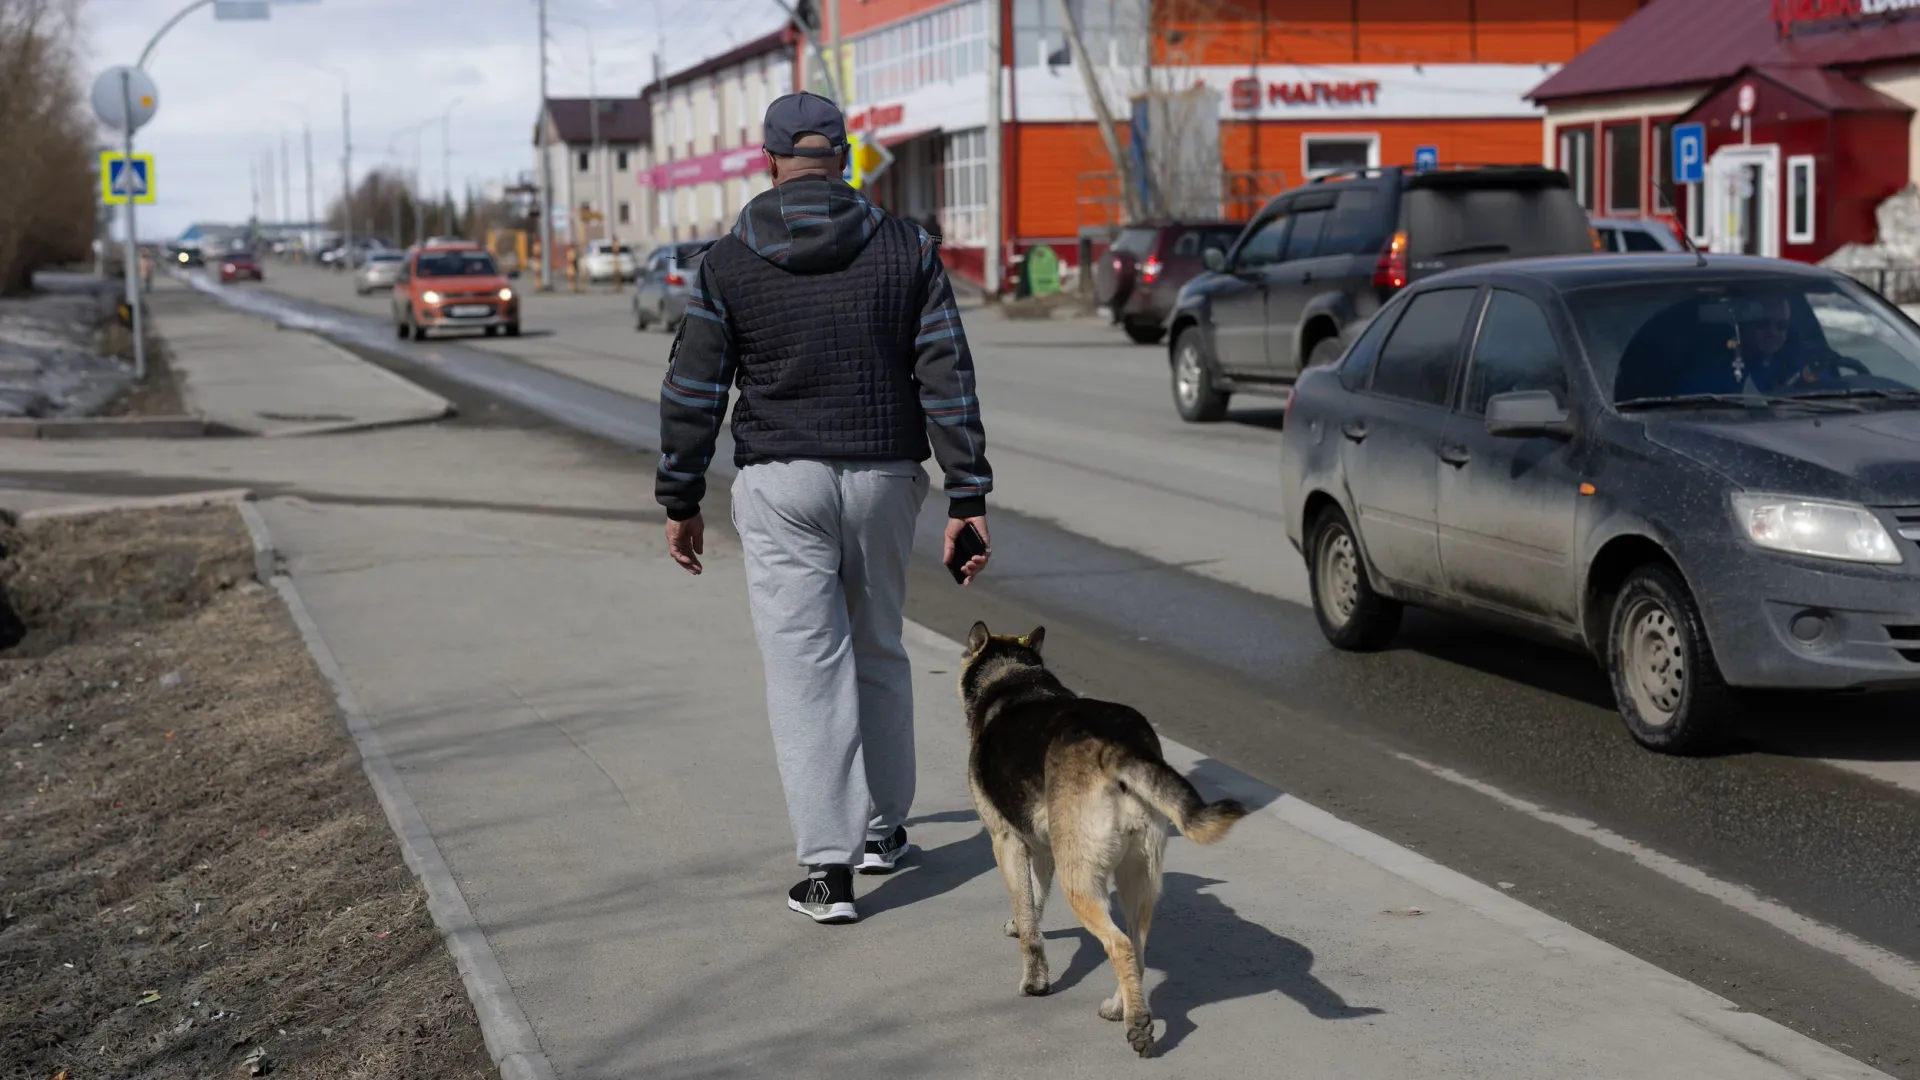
(122, 180)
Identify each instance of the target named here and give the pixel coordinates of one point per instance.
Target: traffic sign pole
(133, 244)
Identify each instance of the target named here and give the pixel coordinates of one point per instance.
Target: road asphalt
(580, 724)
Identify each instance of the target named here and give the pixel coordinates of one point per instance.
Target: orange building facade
(1252, 97)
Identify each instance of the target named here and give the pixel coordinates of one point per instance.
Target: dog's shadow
(1208, 954)
(933, 872)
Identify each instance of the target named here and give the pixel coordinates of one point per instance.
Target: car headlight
(506, 294)
(1824, 530)
(430, 296)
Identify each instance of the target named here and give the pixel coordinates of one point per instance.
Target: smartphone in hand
(965, 546)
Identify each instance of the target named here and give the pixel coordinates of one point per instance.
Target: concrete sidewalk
(582, 727)
(238, 371)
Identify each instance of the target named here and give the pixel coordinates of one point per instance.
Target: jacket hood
(809, 225)
(1871, 458)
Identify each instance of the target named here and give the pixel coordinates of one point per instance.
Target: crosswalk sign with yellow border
(866, 160)
(122, 180)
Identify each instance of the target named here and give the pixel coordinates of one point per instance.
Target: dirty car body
(1705, 472)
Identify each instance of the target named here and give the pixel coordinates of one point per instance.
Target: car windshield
(455, 264)
(1747, 340)
(1135, 242)
(384, 257)
(1447, 221)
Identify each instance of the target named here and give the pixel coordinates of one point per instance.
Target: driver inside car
(1773, 358)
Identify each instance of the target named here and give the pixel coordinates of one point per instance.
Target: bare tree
(47, 183)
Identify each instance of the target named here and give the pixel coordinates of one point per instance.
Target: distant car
(1140, 275)
(1319, 260)
(378, 271)
(238, 264)
(661, 288)
(1636, 234)
(607, 261)
(1705, 475)
(445, 287)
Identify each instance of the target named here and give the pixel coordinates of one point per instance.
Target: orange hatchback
(450, 287)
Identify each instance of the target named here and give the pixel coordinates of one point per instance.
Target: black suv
(1319, 260)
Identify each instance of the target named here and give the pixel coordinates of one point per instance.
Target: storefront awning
(1795, 93)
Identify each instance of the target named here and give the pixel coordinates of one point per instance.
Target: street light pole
(132, 253)
(446, 162)
(546, 166)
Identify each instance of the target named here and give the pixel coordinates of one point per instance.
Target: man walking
(837, 322)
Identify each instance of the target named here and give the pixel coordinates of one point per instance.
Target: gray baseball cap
(793, 115)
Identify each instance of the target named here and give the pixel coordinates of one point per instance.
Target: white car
(607, 261)
(1635, 234)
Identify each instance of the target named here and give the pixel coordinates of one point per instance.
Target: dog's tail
(1157, 784)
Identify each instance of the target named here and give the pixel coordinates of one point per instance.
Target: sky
(232, 92)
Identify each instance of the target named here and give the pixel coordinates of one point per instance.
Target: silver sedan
(380, 270)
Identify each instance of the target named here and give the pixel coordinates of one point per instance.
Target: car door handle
(1356, 430)
(1306, 277)
(1455, 456)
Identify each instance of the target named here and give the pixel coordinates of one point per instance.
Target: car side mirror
(1215, 259)
(1527, 414)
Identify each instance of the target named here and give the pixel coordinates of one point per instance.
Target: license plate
(460, 311)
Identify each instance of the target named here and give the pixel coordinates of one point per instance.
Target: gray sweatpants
(826, 545)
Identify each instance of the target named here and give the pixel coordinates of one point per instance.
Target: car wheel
(513, 329)
(1351, 614)
(1146, 333)
(1325, 353)
(660, 317)
(1193, 392)
(493, 331)
(419, 331)
(1664, 677)
(402, 330)
(639, 317)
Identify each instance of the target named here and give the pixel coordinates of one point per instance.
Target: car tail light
(1149, 270)
(228, 267)
(1593, 234)
(674, 278)
(1391, 271)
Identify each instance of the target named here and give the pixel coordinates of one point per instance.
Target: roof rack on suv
(1357, 174)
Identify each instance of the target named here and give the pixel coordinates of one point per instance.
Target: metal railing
(1899, 284)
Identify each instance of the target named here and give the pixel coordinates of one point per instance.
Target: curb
(148, 502)
(509, 1035)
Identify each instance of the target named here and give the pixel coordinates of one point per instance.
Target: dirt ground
(195, 878)
(159, 393)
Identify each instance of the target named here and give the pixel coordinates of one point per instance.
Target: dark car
(1140, 275)
(1317, 261)
(1704, 472)
(240, 263)
(661, 287)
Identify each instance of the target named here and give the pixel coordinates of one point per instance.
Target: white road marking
(1889, 968)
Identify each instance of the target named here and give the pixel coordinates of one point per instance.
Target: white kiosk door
(1743, 201)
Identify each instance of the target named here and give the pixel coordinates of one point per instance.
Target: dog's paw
(1012, 930)
(1112, 1008)
(1140, 1034)
(1035, 986)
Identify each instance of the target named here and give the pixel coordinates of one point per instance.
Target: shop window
(1659, 144)
(1800, 199)
(620, 160)
(963, 217)
(1576, 160)
(626, 212)
(937, 47)
(1324, 154)
(1623, 168)
(584, 160)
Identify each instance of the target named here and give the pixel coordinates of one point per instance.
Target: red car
(239, 264)
(1140, 275)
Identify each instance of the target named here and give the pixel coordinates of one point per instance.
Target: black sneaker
(825, 895)
(882, 856)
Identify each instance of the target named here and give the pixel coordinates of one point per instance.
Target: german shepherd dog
(1076, 785)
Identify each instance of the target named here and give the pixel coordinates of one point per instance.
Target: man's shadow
(1209, 953)
(926, 874)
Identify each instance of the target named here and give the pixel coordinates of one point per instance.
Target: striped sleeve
(693, 398)
(943, 366)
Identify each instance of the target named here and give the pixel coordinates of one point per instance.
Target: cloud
(231, 92)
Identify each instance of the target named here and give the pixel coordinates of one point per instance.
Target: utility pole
(839, 66)
(663, 150)
(990, 272)
(546, 166)
(286, 186)
(606, 157)
(253, 178)
(446, 165)
(1101, 114)
(306, 137)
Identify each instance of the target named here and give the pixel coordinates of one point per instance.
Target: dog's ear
(977, 638)
(1032, 640)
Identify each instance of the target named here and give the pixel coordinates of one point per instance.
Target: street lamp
(593, 130)
(346, 163)
(446, 160)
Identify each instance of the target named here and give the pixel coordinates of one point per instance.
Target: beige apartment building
(599, 184)
(705, 126)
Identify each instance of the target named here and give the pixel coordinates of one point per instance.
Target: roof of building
(622, 119)
(1673, 44)
(780, 40)
(1831, 90)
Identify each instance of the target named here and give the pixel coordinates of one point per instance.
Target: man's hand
(686, 540)
(978, 562)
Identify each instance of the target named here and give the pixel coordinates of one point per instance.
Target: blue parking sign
(1689, 153)
(1426, 158)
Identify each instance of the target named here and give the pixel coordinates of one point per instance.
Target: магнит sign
(1791, 14)
(1323, 93)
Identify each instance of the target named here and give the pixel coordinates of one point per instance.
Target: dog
(1076, 786)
